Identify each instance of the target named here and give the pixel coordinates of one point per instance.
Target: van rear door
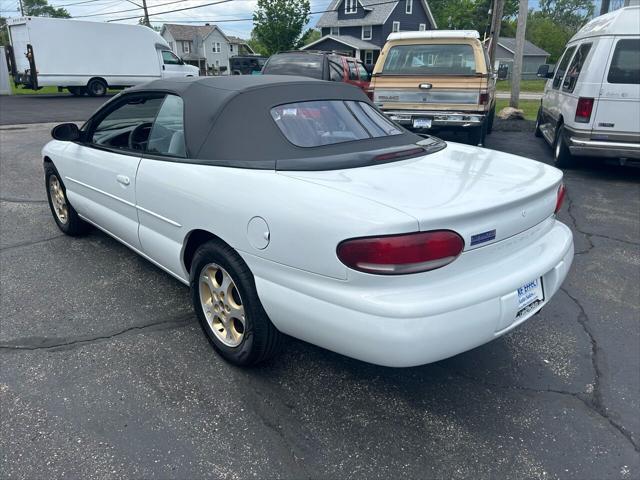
(617, 111)
(19, 39)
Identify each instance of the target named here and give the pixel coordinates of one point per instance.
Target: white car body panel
(306, 291)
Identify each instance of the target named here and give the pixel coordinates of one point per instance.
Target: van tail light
(484, 98)
(560, 197)
(401, 254)
(583, 110)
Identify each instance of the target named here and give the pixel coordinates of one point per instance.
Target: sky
(218, 14)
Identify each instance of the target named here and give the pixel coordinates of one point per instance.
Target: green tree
(570, 14)
(255, 44)
(310, 36)
(278, 24)
(468, 14)
(547, 34)
(41, 8)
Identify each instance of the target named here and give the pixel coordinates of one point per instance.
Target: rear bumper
(603, 148)
(424, 319)
(441, 119)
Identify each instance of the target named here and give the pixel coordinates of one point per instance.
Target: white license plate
(421, 123)
(529, 295)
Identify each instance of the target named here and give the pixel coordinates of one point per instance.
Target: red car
(321, 65)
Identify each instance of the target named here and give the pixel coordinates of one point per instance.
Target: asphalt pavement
(105, 373)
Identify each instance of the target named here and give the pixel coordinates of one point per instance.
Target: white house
(205, 46)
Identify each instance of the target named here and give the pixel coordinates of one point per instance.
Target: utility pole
(496, 21)
(604, 7)
(146, 14)
(21, 9)
(516, 75)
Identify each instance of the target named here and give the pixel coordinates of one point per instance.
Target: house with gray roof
(205, 46)
(533, 57)
(360, 27)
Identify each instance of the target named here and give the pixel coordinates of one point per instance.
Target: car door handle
(123, 179)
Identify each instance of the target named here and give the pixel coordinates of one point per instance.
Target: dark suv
(321, 65)
(246, 64)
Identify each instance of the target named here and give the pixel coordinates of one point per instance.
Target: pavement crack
(44, 343)
(595, 401)
(21, 200)
(28, 244)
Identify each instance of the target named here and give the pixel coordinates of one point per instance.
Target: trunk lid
(484, 195)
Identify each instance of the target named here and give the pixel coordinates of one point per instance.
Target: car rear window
(305, 65)
(326, 122)
(432, 59)
(625, 64)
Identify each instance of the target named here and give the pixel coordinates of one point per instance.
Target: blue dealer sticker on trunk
(483, 237)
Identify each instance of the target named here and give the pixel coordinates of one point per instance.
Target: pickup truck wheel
(226, 302)
(96, 87)
(562, 157)
(538, 132)
(476, 135)
(64, 214)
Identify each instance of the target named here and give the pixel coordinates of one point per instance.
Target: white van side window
(562, 67)
(625, 64)
(573, 72)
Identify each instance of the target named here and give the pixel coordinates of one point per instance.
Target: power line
(230, 20)
(127, 10)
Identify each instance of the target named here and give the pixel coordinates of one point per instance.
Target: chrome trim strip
(159, 217)
(100, 191)
(578, 142)
(426, 97)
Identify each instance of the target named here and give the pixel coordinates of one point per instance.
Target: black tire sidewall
(75, 225)
(216, 252)
(93, 84)
(564, 158)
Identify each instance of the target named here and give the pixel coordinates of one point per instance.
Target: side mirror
(544, 71)
(66, 132)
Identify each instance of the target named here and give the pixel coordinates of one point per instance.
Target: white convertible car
(293, 206)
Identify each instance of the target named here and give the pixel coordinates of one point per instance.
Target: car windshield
(430, 59)
(306, 65)
(326, 122)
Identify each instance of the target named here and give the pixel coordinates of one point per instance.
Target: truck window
(353, 71)
(335, 71)
(575, 68)
(169, 58)
(430, 59)
(625, 63)
(562, 67)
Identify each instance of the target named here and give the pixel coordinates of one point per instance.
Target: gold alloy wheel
(222, 305)
(58, 199)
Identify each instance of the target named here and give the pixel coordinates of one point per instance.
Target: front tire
(97, 87)
(225, 299)
(562, 157)
(64, 214)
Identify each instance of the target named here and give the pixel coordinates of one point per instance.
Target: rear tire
(242, 341)
(492, 116)
(63, 213)
(477, 135)
(97, 87)
(562, 157)
(77, 91)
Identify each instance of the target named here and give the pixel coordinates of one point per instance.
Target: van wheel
(538, 132)
(77, 91)
(96, 87)
(226, 302)
(562, 157)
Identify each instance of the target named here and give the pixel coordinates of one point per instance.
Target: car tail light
(401, 254)
(484, 98)
(560, 198)
(583, 110)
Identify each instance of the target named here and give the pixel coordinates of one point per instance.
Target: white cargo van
(591, 104)
(88, 57)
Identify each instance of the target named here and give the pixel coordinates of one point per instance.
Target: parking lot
(106, 374)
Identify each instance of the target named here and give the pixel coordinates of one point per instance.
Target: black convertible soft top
(228, 121)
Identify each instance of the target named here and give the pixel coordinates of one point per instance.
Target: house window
(422, 27)
(395, 27)
(186, 47)
(368, 57)
(366, 32)
(216, 47)
(334, 31)
(408, 7)
(350, 6)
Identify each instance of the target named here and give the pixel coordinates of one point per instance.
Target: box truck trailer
(88, 57)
